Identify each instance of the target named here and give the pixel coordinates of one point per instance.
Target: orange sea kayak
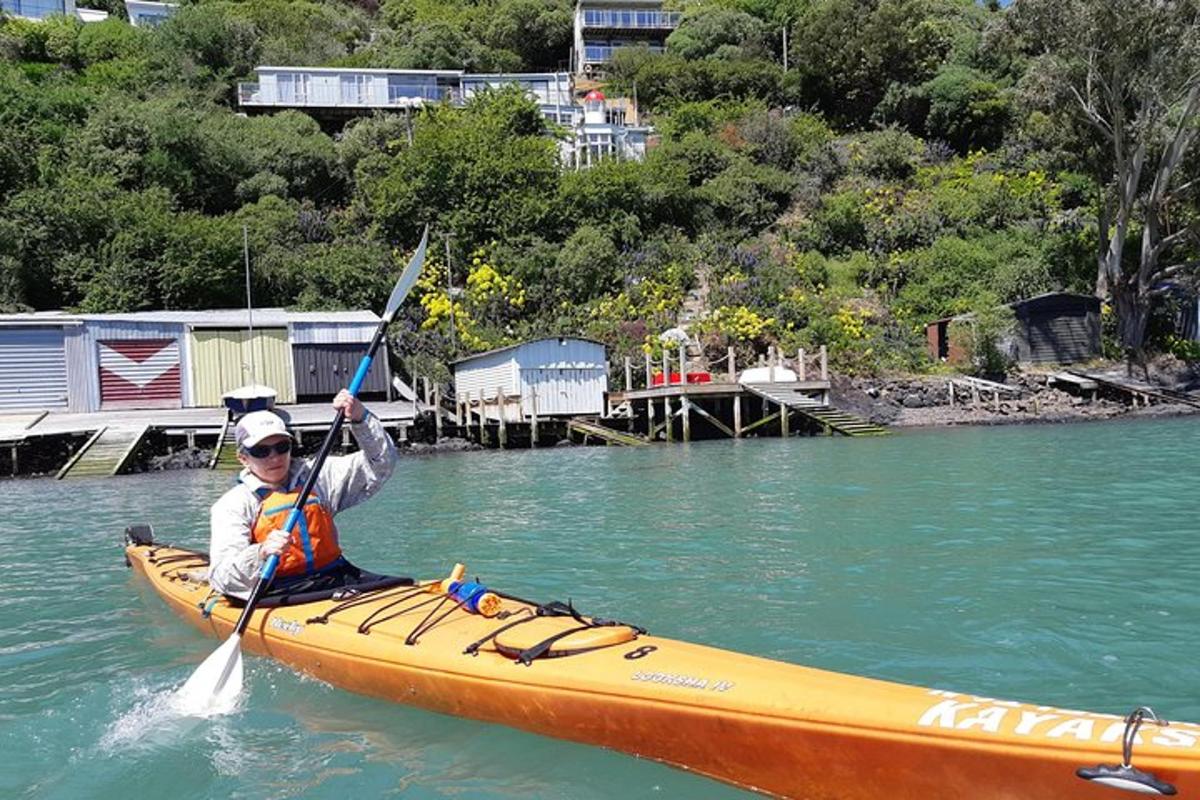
(764, 725)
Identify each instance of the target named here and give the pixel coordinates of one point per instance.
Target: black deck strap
(317, 595)
(425, 625)
(473, 648)
(399, 596)
(530, 654)
(373, 619)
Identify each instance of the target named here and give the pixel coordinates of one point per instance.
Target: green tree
(1131, 71)
(713, 32)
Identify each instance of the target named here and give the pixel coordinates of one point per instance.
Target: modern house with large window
(333, 96)
(602, 26)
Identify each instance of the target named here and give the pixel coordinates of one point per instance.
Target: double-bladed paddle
(217, 682)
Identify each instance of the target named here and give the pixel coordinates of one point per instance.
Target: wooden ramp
(590, 428)
(816, 409)
(225, 453)
(104, 454)
(843, 422)
(1137, 390)
(784, 394)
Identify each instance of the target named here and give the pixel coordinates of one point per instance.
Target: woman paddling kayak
(247, 519)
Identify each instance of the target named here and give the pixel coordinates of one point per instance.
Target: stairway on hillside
(694, 308)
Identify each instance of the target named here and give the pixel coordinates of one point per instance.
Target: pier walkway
(106, 453)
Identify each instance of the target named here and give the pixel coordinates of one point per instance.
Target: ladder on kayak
(105, 453)
(590, 429)
(831, 419)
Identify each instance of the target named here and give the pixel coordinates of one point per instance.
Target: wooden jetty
(108, 440)
(778, 398)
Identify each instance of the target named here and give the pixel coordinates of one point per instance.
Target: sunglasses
(264, 450)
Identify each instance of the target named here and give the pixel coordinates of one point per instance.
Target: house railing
(356, 96)
(642, 20)
(598, 54)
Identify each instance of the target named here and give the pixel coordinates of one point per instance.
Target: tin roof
(474, 356)
(216, 318)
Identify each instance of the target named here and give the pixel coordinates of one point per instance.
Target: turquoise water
(1055, 565)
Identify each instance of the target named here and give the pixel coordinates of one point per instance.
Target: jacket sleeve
(348, 480)
(233, 557)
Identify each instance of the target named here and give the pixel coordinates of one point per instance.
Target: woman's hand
(355, 410)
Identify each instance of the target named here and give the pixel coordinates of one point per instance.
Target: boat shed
(172, 359)
(1057, 328)
(553, 377)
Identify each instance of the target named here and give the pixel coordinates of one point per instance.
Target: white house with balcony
(341, 92)
(603, 26)
(40, 9)
(594, 131)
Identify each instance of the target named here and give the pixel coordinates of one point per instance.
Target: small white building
(40, 9)
(560, 377)
(602, 133)
(146, 14)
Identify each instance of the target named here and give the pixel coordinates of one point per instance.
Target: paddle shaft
(272, 562)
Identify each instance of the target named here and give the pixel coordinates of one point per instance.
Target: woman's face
(273, 466)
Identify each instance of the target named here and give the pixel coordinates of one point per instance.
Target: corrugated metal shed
(564, 376)
(1057, 328)
(224, 359)
(146, 359)
(84, 356)
(34, 374)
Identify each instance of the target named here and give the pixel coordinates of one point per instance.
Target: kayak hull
(776, 728)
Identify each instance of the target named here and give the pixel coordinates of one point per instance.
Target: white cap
(259, 425)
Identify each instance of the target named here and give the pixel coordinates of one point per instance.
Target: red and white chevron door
(140, 373)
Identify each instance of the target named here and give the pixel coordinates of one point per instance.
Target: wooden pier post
(783, 420)
(437, 414)
(667, 419)
(533, 420)
(649, 372)
(501, 404)
(732, 366)
(14, 461)
(685, 411)
(771, 363)
(666, 368)
(682, 363)
(950, 391)
(737, 416)
(428, 395)
(800, 372)
(997, 401)
(824, 363)
(628, 374)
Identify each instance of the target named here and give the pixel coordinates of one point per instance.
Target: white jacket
(345, 481)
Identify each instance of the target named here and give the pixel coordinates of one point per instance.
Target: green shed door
(221, 361)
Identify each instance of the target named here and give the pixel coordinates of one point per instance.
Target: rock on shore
(909, 401)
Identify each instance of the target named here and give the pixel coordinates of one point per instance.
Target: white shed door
(33, 368)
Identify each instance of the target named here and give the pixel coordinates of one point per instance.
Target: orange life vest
(314, 542)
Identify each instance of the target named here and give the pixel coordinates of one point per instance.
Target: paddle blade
(407, 278)
(216, 684)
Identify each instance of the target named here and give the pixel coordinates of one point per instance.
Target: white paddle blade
(216, 684)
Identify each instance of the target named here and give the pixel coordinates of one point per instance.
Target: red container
(692, 377)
